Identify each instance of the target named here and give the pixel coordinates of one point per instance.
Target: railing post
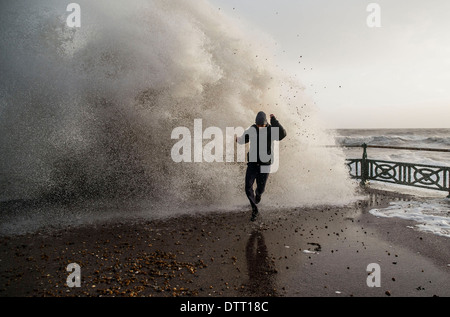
(364, 166)
(448, 181)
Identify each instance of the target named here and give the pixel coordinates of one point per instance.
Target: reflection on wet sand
(261, 270)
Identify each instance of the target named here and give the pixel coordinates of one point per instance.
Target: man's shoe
(254, 214)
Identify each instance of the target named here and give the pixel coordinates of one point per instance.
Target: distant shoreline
(388, 129)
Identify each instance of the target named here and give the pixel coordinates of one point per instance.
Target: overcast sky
(394, 76)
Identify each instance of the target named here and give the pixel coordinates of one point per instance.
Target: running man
(260, 155)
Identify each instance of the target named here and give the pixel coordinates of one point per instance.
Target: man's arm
(274, 123)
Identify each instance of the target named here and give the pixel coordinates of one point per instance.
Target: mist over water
(87, 113)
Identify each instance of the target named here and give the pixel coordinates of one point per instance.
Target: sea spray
(87, 113)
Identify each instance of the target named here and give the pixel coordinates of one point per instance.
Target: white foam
(432, 215)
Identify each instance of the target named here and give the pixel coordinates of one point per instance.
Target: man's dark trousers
(254, 174)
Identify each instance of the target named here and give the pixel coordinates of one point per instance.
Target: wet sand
(302, 252)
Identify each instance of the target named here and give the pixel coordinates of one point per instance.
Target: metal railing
(408, 174)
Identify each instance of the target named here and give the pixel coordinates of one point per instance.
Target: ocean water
(415, 138)
(430, 210)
